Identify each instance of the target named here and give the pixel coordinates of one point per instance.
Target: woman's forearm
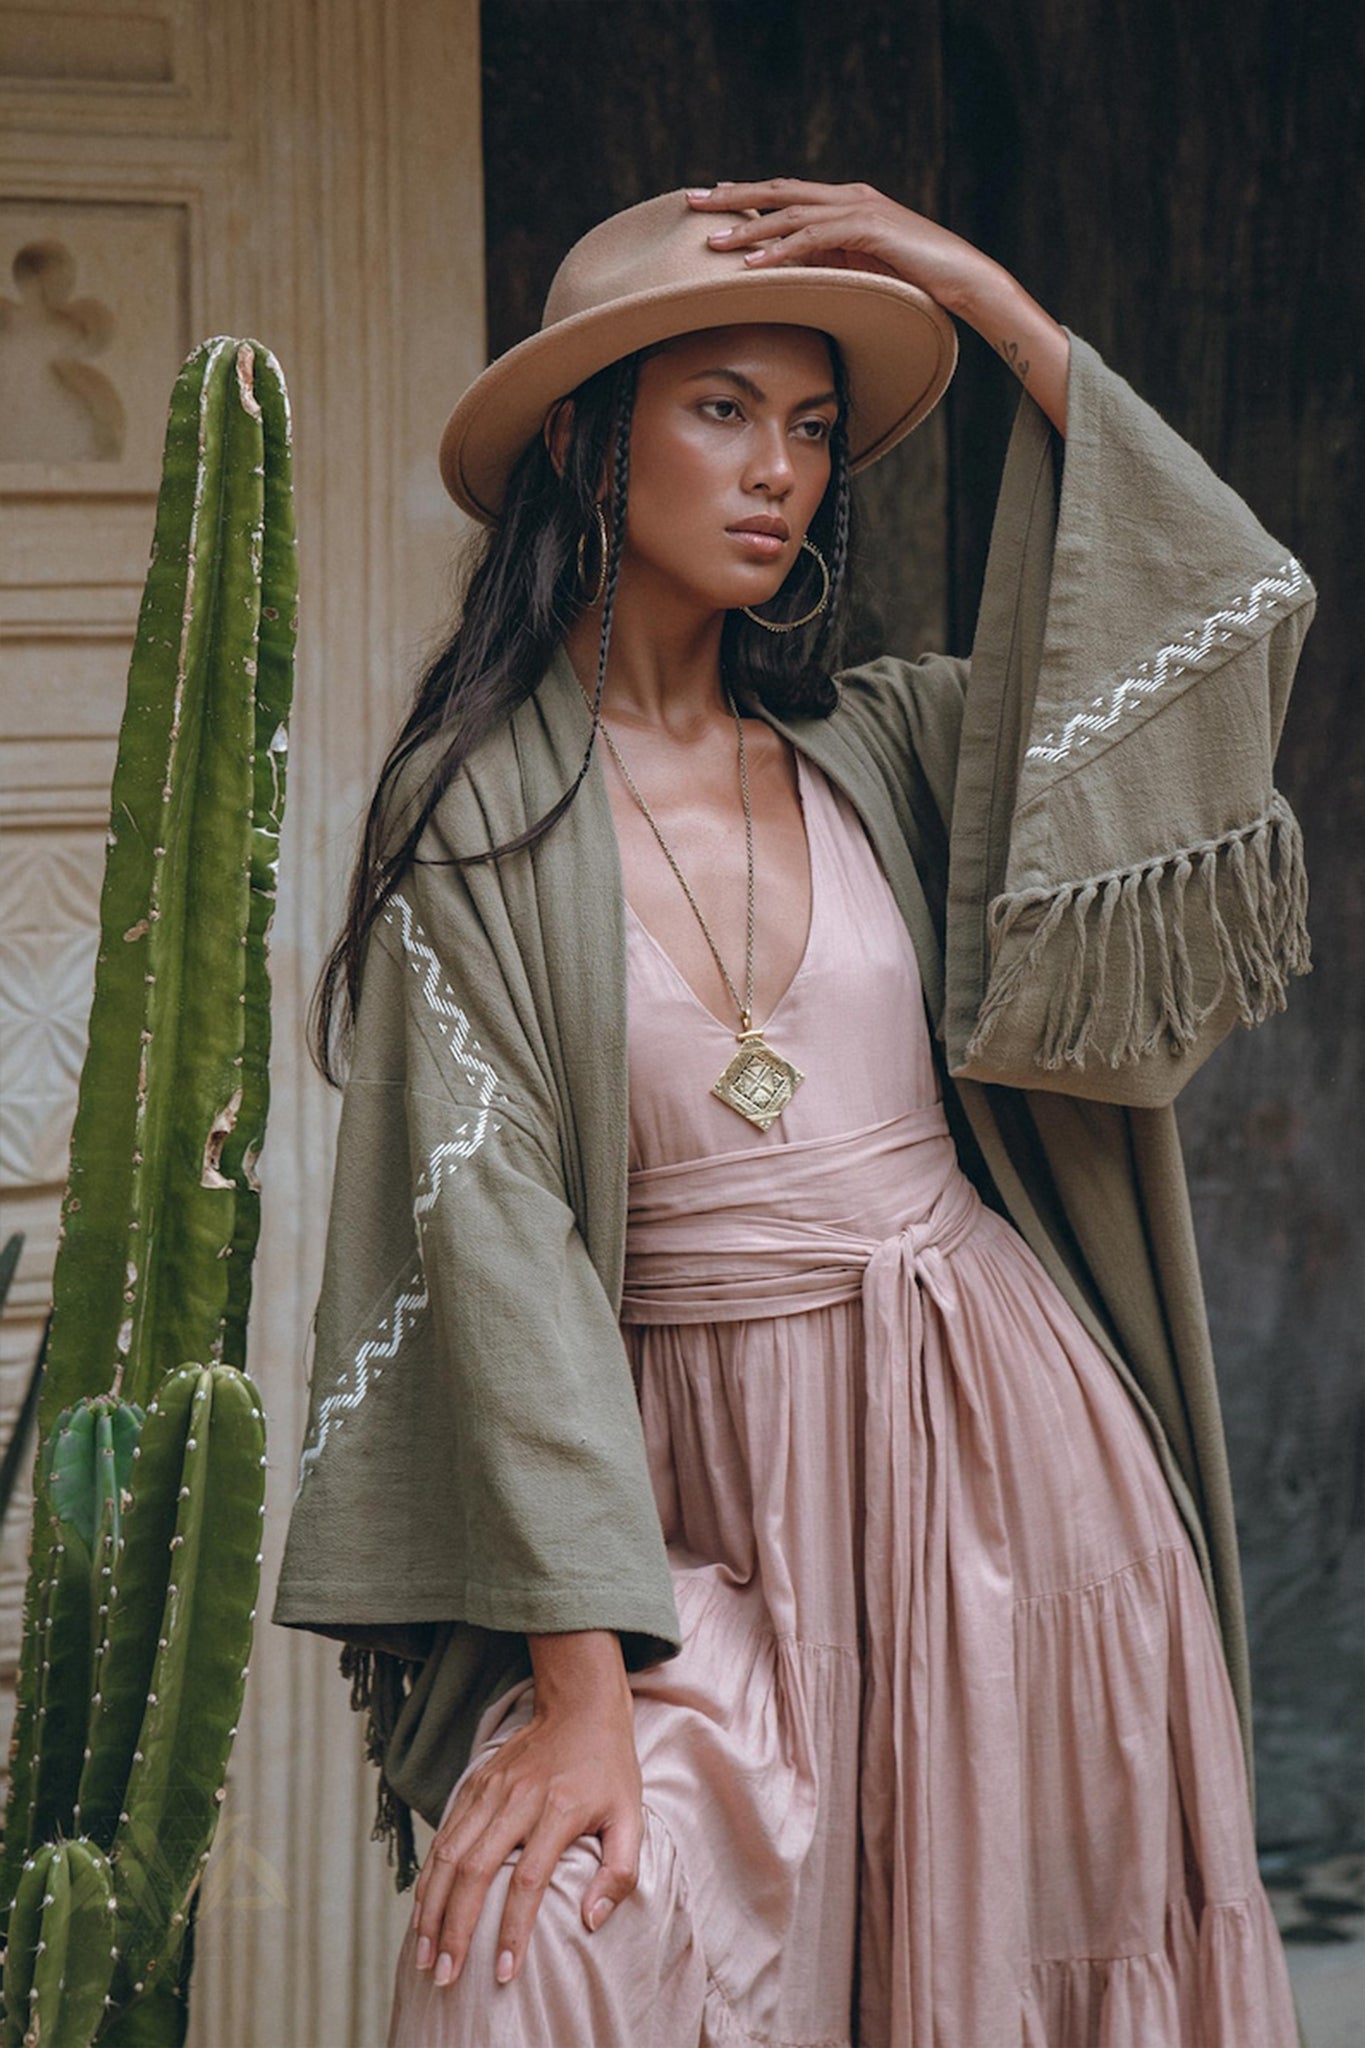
(579, 1671)
(1035, 346)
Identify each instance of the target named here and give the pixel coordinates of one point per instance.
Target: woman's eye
(816, 430)
(721, 408)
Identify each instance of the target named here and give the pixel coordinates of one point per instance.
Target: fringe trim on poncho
(1115, 948)
(380, 1683)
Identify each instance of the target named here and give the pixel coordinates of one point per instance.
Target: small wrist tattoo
(1019, 364)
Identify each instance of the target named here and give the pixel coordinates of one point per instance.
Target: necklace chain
(746, 1006)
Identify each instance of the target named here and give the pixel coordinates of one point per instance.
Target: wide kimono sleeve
(474, 1454)
(1125, 880)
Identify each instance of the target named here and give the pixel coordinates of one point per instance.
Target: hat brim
(898, 345)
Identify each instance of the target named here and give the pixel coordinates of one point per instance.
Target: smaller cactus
(82, 1471)
(173, 1678)
(87, 1466)
(60, 1958)
(62, 1652)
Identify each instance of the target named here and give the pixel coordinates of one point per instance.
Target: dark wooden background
(1182, 186)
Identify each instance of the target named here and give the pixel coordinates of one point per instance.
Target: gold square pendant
(758, 1083)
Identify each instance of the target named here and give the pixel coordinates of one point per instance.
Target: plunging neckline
(732, 1030)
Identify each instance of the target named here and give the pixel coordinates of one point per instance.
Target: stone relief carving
(55, 405)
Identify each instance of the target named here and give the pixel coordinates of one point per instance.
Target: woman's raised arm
(1124, 880)
(855, 227)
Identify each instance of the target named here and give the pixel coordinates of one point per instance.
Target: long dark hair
(524, 591)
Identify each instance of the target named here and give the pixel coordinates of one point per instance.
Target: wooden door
(309, 175)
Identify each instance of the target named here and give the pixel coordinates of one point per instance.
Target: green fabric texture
(1083, 837)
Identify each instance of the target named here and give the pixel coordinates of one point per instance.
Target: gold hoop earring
(604, 548)
(791, 625)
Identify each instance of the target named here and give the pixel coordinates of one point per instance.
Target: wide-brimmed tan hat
(649, 273)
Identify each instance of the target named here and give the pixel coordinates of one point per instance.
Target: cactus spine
(146, 1542)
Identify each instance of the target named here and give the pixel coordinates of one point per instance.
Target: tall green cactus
(146, 1540)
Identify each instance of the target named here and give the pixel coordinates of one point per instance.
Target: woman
(786, 1464)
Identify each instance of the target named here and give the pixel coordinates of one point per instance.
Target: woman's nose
(770, 464)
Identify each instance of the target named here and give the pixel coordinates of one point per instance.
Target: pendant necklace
(758, 1083)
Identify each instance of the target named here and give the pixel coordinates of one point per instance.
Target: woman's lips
(766, 546)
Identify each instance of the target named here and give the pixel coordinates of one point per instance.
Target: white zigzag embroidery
(1150, 676)
(412, 1297)
(366, 1367)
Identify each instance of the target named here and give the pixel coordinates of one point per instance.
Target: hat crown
(655, 246)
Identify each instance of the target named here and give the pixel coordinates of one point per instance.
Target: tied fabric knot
(749, 1233)
(921, 1253)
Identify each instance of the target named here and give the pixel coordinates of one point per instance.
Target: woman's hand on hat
(855, 227)
(848, 227)
(571, 1771)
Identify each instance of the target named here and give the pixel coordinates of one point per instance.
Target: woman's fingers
(791, 220)
(795, 234)
(766, 193)
(472, 1847)
(620, 1871)
(832, 236)
(461, 1864)
(783, 220)
(468, 1797)
(851, 226)
(461, 1823)
(560, 1823)
(472, 1876)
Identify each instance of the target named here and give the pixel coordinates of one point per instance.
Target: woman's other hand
(571, 1771)
(855, 227)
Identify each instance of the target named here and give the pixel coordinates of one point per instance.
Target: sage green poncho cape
(1099, 878)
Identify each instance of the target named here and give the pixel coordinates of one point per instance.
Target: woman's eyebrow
(755, 391)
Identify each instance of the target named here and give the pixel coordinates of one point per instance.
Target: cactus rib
(274, 693)
(62, 1685)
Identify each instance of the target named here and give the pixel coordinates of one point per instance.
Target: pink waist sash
(790, 1228)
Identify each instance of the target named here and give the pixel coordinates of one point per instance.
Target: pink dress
(949, 1758)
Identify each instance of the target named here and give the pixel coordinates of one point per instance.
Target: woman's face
(729, 459)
